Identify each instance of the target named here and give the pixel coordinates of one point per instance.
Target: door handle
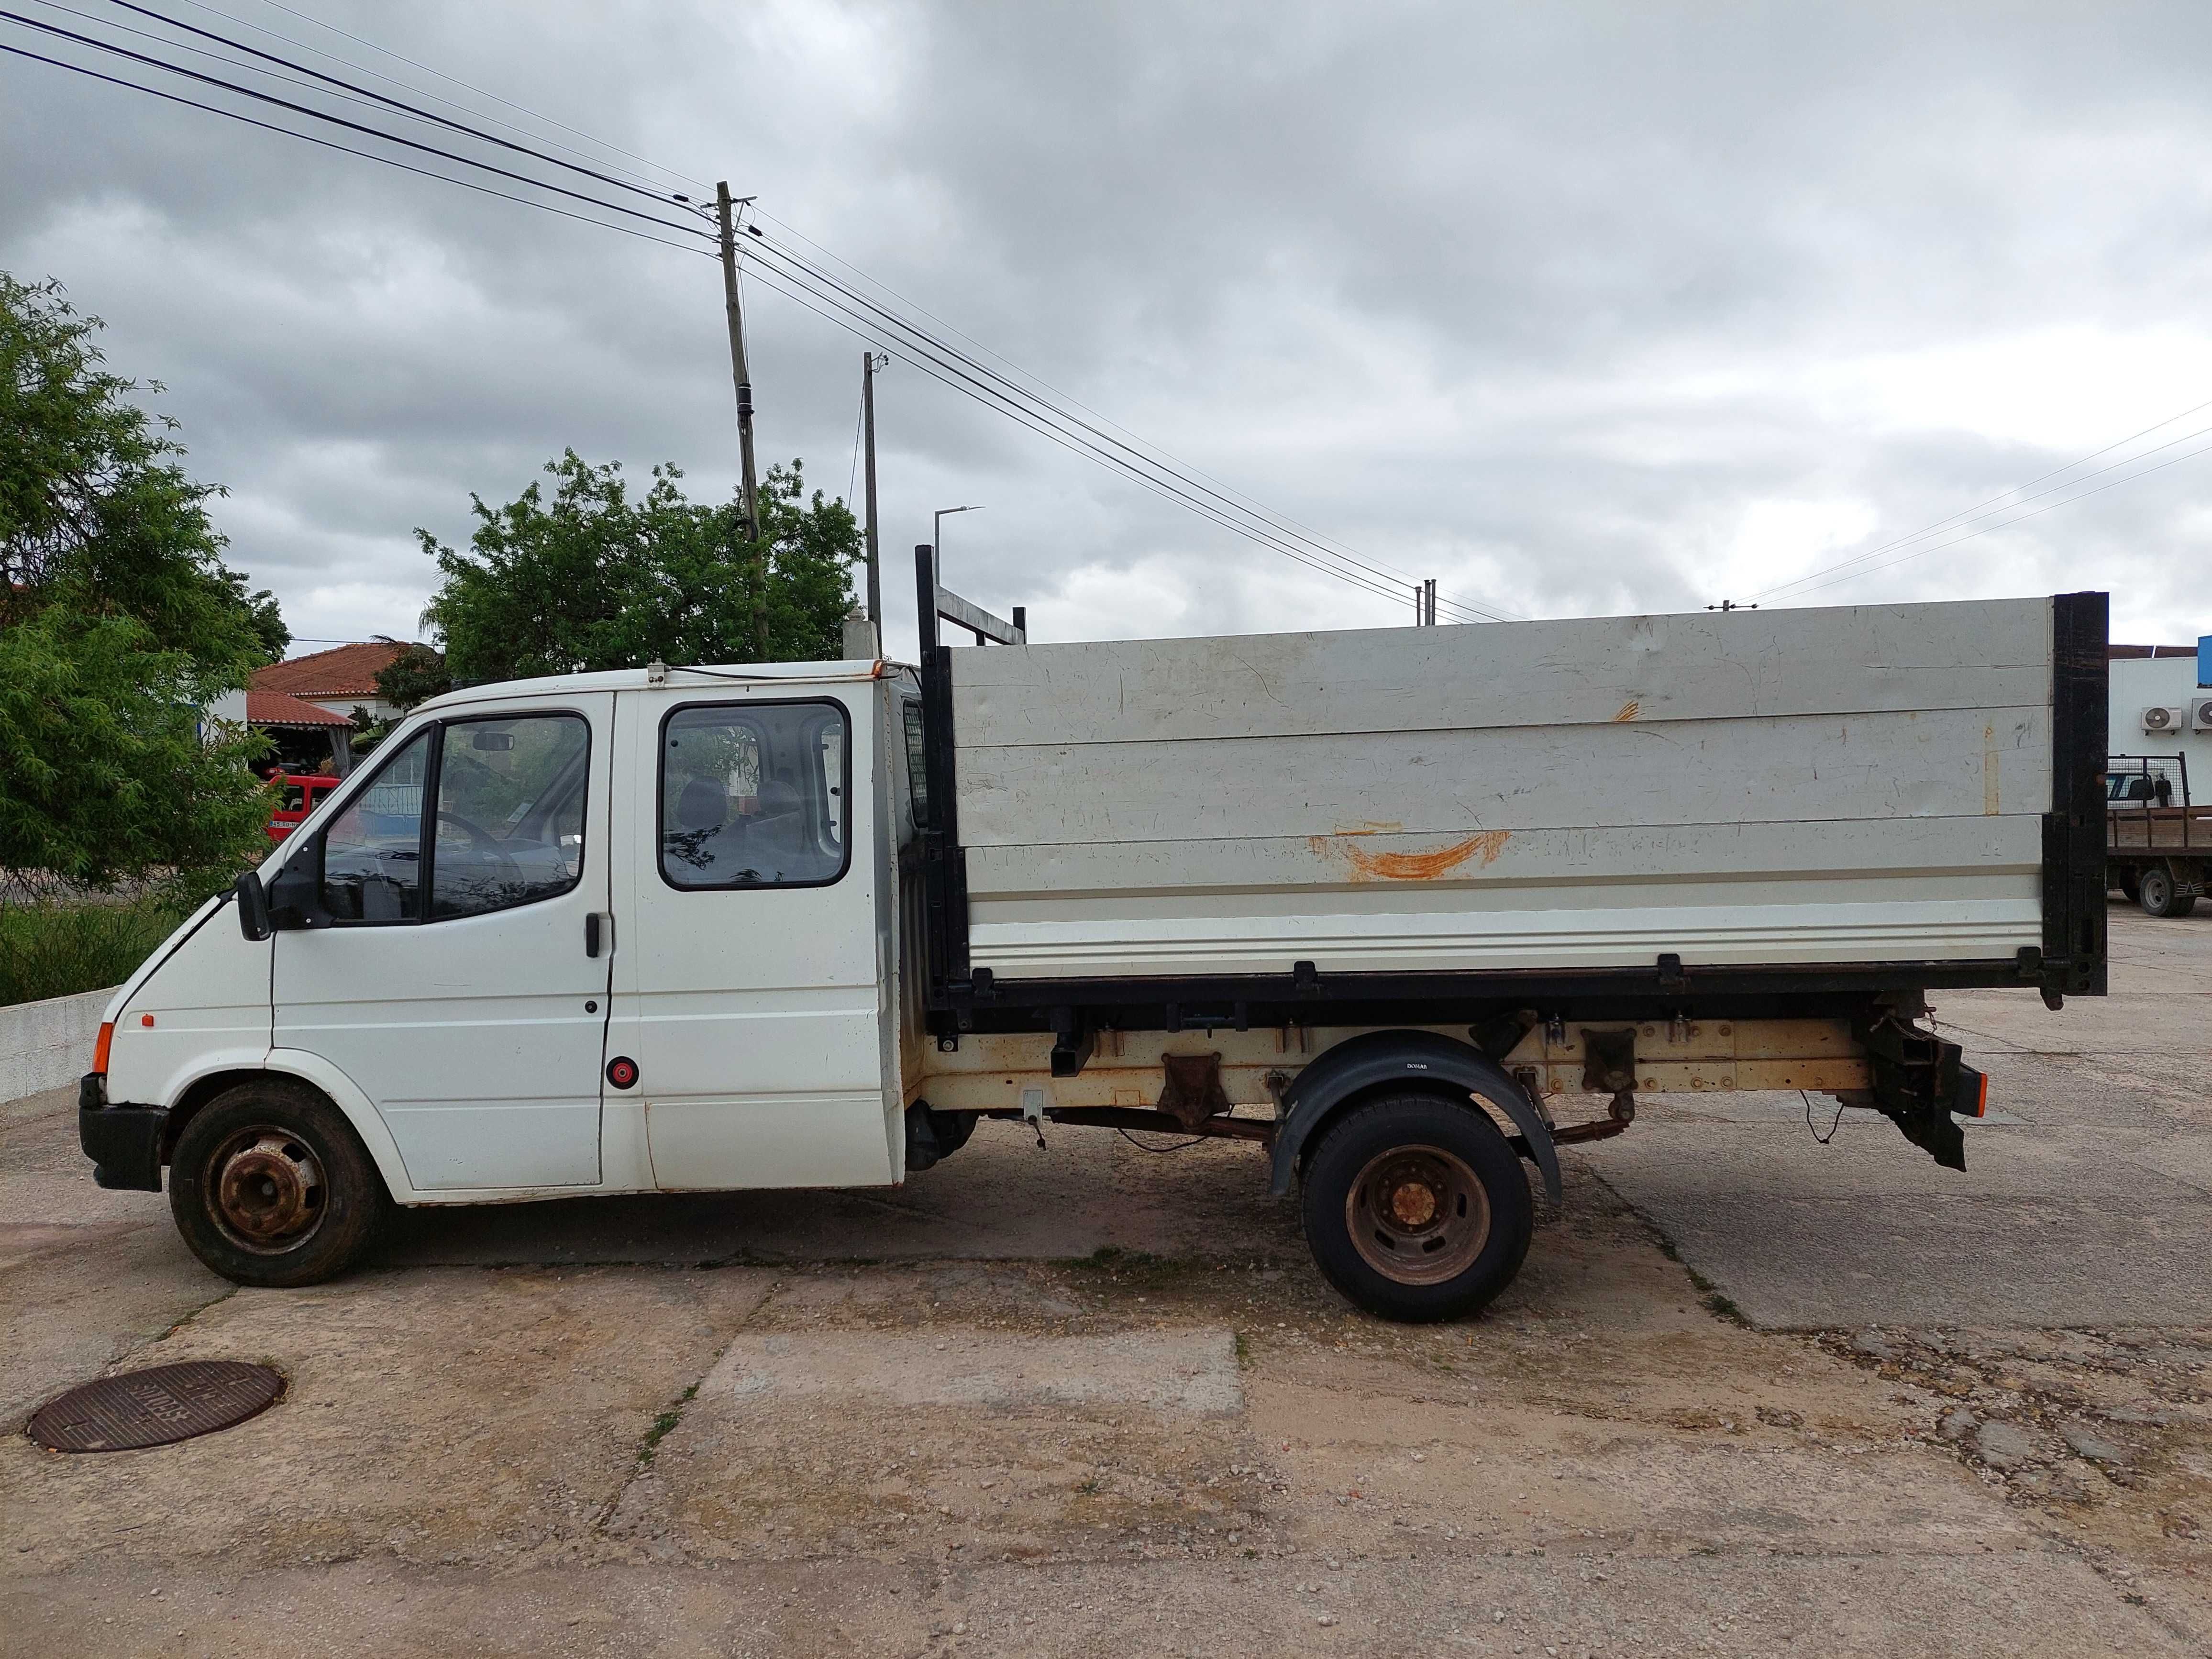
(595, 933)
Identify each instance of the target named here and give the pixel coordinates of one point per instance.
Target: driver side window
(510, 824)
(503, 799)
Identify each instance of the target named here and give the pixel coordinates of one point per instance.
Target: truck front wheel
(1416, 1207)
(270, 1186)
(2155, 893)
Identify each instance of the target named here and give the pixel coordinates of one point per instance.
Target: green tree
(119, 624)
(416, 675)
(599, 577)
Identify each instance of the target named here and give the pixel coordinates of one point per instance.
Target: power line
(1235, 502)
(1306, 532)
(327, 143)
(861, 326)
(386, 99)
(2035, 512)
(919, 352)
(657, 167)
(365, 99)
(1969, 514)
(802, 270)
(1132, 458)
(115, 49)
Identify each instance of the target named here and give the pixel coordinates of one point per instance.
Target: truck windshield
(753, 794)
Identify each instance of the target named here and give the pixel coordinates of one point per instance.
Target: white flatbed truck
(1386, 904)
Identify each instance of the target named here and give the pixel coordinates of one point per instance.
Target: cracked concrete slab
(1187, 1371)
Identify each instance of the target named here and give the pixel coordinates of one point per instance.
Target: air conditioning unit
(2164, 719)
(2200, 712)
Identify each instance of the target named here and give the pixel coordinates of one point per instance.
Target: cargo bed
(1771, 805)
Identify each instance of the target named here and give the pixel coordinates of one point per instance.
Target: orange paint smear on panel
(1412, 866)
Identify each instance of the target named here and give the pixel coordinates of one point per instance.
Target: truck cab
(616, 932)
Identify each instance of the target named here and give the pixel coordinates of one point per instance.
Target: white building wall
(2141, 683)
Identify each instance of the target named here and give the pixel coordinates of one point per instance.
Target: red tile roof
(275, 709)
(345, 671)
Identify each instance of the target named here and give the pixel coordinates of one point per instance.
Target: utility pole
(744, 379)
(868, 367)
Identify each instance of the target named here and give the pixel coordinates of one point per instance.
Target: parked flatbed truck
(2158, 843)
(1405, 909)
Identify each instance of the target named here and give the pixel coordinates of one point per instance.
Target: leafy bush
(120, 624)
(59, 950)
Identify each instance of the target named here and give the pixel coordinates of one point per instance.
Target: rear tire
(2155, 893)
(1416, 1207)
(2130, 886)
(270, 1186)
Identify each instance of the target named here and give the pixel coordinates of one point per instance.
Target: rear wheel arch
(1378, 1064)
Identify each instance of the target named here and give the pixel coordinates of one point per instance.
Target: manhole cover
(155, 1408)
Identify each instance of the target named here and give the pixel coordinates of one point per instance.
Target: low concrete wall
(44, 1045)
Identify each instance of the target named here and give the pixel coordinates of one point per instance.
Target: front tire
(2155, 893)
(270, 1186)
(1416, 1207)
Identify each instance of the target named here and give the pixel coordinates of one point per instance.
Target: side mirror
(253, 905)
(294, 898)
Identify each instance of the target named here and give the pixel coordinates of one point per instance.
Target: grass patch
(663, 1425)
(1245, 1361)
(1141, 1269)
(1715, 1301)
(59, 950)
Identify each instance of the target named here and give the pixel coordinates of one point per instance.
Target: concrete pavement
(1093, 1400)
(2087, 1200)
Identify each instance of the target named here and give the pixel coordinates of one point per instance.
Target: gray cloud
(1577, 308)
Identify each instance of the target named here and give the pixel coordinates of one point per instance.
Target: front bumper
(124, 1141)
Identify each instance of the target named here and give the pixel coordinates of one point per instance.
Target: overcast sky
(1577, 308)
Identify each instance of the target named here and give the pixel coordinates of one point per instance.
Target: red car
(297, 794)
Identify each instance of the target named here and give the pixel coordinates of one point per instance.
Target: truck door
(745, 963)
(457, 984)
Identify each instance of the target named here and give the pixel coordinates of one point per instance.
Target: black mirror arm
(295, 895)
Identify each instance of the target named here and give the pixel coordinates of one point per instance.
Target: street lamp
(937, 528)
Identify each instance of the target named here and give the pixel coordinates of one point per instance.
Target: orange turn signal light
(100, 1048)
(1974, 1096)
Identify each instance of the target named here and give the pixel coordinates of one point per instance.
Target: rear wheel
(1416, 1208)
(270, 1186)
(2130, 885)
(2155, 893)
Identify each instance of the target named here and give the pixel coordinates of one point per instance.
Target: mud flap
(1918, 1082)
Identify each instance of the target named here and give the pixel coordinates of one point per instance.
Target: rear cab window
(754, 794)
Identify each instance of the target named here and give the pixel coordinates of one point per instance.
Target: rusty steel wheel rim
(265, 1189)
(1418, 1215)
